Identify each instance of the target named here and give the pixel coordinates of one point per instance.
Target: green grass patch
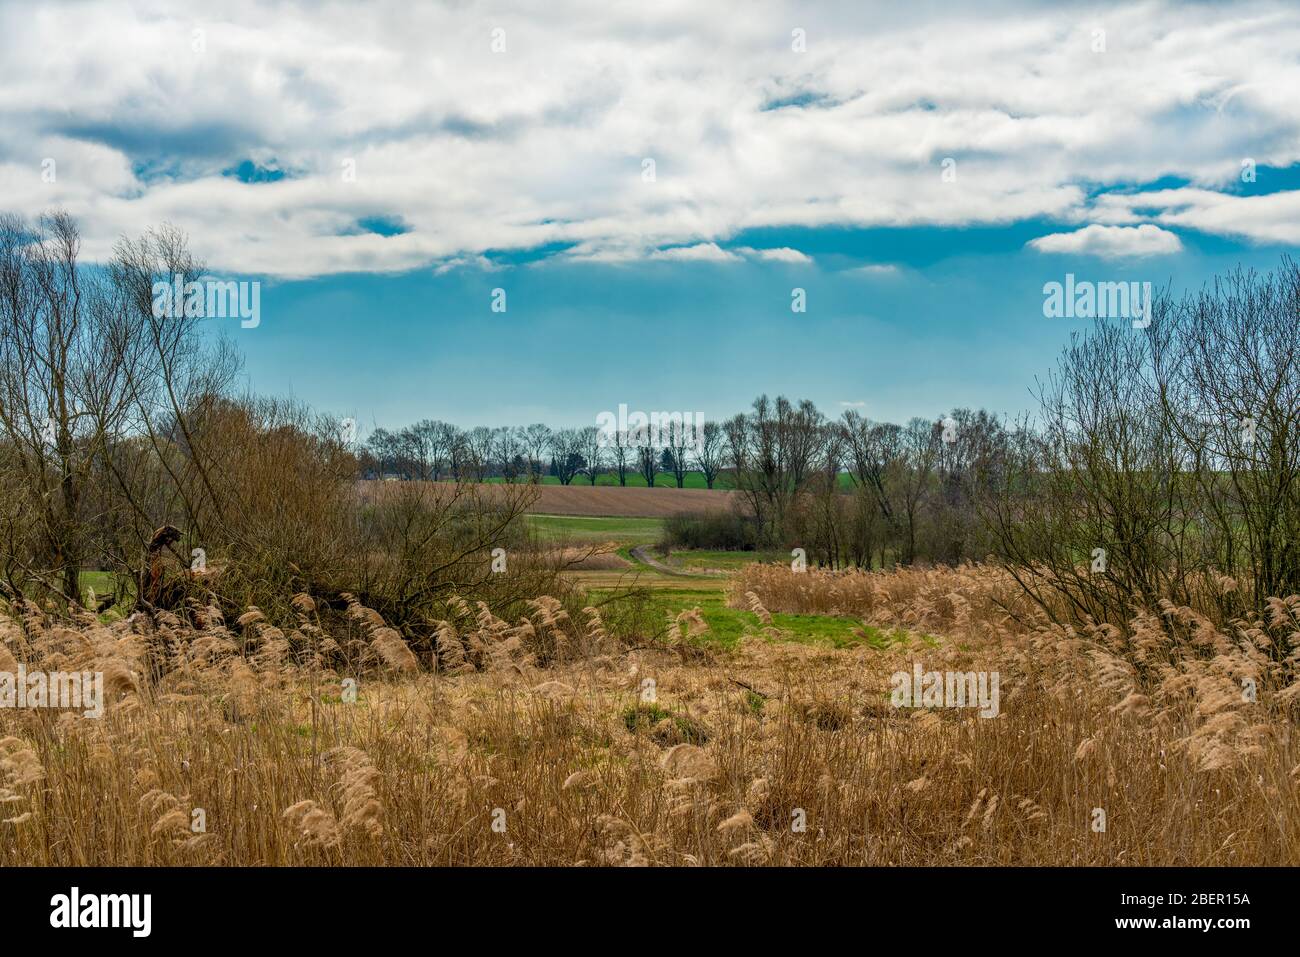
(577, 528)
(643, 717)
(102, 582)
(728, 625)
(703, 559)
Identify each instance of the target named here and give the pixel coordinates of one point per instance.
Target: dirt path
(640, 554)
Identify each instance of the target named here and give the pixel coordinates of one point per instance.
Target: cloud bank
(271, 130)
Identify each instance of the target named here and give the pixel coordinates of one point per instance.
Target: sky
(649, 184)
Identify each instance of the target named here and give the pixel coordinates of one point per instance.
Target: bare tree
(681, 441)
(102, 393)
(1227, 370)
(591, 442)
(874, 451)
(622, 451)
(566, 457)
(61, 382)
(386, 447)
(444, 438)
(428, 442)
(774, 448)
(177, 377)
(414, 450)
(478, 441)
(709, 452)
(920, 447)
(1100, 514)
(507, 450)
(821, 520)
(972, 444)
(459, 456)
(536, 439)
(648, 462)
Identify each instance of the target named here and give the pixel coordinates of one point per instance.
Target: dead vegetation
(540, 741)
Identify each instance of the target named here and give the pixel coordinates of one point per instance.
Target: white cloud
(1111, 242)
(544, 143)
(1270, 218)
(700, 252)
(879, 270)
(481, 263)
(781, 254)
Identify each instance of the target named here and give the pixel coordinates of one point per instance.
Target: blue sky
(956, 320)
(648, 184)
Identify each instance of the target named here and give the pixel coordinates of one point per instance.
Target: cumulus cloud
(408, 114)
(1111, 242)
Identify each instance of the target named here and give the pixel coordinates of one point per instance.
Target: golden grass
(918, 598)
(480, 756)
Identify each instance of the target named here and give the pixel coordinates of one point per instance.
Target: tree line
(432, 450)
(911, 483)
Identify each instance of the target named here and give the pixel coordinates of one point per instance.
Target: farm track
(640, 554)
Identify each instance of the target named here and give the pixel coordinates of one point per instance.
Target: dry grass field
(544, 741)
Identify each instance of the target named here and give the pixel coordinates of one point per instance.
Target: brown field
(618, 502)
(600, 501)
(535, 743)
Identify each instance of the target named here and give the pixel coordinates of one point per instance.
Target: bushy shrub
(726, 531)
